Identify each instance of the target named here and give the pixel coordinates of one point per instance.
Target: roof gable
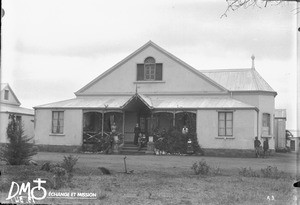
(239, 79)
(11, 97)
(149, 44)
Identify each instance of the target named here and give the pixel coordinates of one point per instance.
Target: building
(294, 140)
(226, 108)
(9, 104)
(280, 129)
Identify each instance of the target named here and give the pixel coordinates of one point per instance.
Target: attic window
(6, 94)
(149, 71)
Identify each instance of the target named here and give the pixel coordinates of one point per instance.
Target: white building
(227, 108)
(9, 104)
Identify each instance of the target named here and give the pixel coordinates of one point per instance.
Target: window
(19, 118)
(6, 94)
(266, 121)
(149, 71)
(57, 122)
(225, 123)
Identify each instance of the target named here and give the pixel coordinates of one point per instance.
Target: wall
(174, 77)
(72, 128)
(279, 133)
(3, 126)
(28, 126)
(266, 104)
(244, 129)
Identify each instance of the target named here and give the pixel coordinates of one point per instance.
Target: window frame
(59, 122)
(268, 122)
(6, 94)
(226, 113)
(151, 68)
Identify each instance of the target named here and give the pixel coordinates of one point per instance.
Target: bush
(272, 172)
(60, 177)
(19, 150)
(248, 172)
(201, 168)
(174, 142)
(69, 162)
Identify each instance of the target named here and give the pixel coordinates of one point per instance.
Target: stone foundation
(59, 148)
(232, 152)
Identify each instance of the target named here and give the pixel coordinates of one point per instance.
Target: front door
(130, 122)
(145, 124)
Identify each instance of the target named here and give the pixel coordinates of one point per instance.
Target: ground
(167, 180)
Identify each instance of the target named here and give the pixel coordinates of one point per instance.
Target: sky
(52, 48)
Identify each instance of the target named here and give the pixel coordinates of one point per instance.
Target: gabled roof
(239, 79)
(6, 86)
(150, 43)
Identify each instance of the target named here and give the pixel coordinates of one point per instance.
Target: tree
(19, 150)
(233, 5)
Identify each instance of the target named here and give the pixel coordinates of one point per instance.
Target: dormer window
(6, 94)
(149, 71)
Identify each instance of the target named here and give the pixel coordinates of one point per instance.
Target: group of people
(139, 138)
(258, 148)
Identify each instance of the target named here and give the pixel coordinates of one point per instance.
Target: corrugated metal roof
(239, 79)
(89, 102)
(160, 102)
(156, 102)
(16, 109)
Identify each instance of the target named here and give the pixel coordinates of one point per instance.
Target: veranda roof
(89, 102)
(153, 102)
(197, 102)
(15, 109)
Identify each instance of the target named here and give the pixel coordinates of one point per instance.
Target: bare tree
(233, 5)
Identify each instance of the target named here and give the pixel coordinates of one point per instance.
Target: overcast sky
(52, 48)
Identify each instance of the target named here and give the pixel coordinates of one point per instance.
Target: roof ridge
(226, 70)
(257, 75)
(255, 80)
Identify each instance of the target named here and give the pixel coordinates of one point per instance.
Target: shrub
(272, 172)
(174, 142)
(19, 150)
(248, 172)
(201, 168)
(69, 162)
(59, 177)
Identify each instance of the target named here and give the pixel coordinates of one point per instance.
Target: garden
(28, 176)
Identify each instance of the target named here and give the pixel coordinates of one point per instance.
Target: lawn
(163, 180)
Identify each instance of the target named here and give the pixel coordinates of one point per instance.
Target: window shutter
(140, 72)
(158, 71)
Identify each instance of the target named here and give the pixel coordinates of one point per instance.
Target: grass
(162, 180)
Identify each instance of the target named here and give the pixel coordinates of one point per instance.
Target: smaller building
(9, 104)
(294, 140)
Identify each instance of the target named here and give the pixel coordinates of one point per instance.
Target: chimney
(253, 58)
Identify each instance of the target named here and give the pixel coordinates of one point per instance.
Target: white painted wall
(244, 129)
(72, 128)
(174, 77)
(266, 104)
(28, 126)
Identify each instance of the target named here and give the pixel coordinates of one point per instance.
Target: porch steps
(130, 149)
